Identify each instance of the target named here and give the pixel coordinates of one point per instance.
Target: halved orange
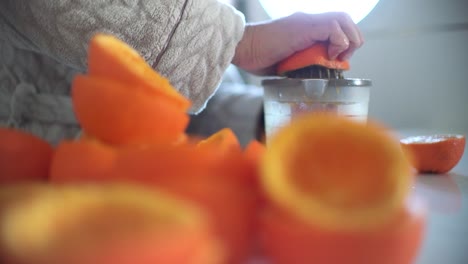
(23, 156)
(287, 239)
(336, 173)
(201, 176)
(108, 224)
(224, 140)
(231, 207)
(434, 153)
(316, 54)
(111, 58)
(207, 177)
(164, 162)
(253, 154)
(122, 114)
(82, 160)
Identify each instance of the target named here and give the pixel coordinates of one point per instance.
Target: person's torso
(34, 94)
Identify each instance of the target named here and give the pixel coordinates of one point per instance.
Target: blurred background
(415, 53)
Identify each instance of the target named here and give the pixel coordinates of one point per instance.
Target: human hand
(265, 44)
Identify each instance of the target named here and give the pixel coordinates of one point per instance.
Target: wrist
(244, 49)
(261, 47)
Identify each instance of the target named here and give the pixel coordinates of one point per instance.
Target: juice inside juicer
(314, 88)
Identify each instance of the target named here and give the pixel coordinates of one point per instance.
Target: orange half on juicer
(312, 62)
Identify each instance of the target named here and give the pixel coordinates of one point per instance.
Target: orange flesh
(324, 168)
(337, 178)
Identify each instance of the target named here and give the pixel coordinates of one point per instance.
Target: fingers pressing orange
(23, 156)
(317, 54)
(436, 153)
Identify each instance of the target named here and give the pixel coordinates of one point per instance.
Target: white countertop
(446, 239)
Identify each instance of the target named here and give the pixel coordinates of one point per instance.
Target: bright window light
(357, 9)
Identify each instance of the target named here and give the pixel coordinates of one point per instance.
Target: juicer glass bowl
(286, 98)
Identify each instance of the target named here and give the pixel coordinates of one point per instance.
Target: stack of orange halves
(134, 125)
(136, 189)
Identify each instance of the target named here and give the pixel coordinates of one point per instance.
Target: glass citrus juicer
(311, 82)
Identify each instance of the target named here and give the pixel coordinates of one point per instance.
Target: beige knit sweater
(43, 44)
